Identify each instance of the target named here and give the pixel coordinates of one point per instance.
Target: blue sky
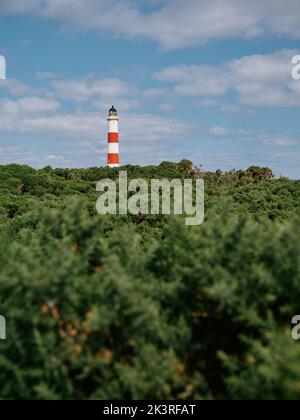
(206, 81)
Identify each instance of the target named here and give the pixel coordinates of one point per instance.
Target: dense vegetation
(143, 307)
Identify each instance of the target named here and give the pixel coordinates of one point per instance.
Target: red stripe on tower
(113, 158)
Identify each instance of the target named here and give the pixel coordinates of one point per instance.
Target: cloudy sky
(204, 80)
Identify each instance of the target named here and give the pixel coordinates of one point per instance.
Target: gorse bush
(111, 307)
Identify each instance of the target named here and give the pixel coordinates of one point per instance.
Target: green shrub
(145, 308)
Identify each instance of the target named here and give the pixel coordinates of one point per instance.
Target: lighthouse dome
(113, 111)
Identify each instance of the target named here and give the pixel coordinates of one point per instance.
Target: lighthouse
(113, 158)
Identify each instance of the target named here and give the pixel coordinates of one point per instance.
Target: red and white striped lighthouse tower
(113, 158)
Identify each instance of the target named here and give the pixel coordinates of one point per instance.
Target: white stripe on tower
(113, 157)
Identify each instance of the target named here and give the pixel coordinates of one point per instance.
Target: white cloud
(46, 75)
(173, 23)
(28, 105)
(167, 107)
(281, 142)
(57, 159)
(154, 94)
(207, 103)
(148, 127)
(258, 80)
(87, 89)
(11, 152)
(19, 6)
(101, 93)
(220, 131)
(196, 80)
(232, 132)
(14, 87)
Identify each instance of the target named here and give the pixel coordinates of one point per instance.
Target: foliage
(122, 307)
